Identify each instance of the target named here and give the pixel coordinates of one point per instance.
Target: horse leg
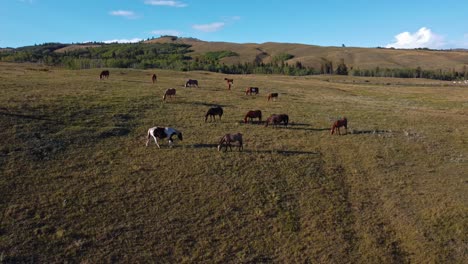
(148, 139)
(155, 140)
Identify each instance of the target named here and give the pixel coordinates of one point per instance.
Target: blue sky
(358, 23)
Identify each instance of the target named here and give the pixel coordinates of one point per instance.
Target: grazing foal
(169, 92)
(253, 114)
(229, 82)
(251, 90)
(343, 122)
(272, 96)
(227, 139)
(275, 120)
(213, 112)
(154, 78)
(163, 132)
(191, 83)
(104, 74)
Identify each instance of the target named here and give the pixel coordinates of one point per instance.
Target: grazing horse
(253, 114)
(273, 96)
(227, 139)
(251, 90)
(343, 122)
(191, 83)
(229, 82)
(104, 74)
(169, 92)
(154, 78)
(163, 132)
(275, 120)
(213, 112)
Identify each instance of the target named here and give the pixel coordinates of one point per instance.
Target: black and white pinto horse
(161, 133)
(227, 139)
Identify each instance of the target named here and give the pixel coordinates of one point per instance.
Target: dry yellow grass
(79, 185)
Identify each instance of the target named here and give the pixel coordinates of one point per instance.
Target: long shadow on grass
(282, 152)
(204, 104)
(375, 131)
(36, 117)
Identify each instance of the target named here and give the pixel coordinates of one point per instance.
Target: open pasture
(78, 184)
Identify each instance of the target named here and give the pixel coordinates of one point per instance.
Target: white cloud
(423, 38)
(133, 40)
(169, 32)
(123, 13)
(209, 27)
(165, 3)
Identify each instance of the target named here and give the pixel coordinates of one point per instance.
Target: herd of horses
(228, 139)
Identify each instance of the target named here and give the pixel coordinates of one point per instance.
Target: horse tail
(245, 118)
(164, 97)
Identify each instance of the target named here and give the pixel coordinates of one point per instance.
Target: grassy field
(78, 184)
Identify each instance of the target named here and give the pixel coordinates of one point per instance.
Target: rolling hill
(310, 55)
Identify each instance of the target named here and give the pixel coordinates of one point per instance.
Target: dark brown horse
(343, 122)
(169, 92)
(213, 112)
(229, 82)
(227, 139)
(275, 120)
(272, 96)
(104, 74)
(253, 114)
(154, 78)
(191, 83)
(251, 90)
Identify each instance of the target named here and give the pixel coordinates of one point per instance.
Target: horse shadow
(304, 127)
(369, 131)
(205, 104)
(197, 146)
(282, 152)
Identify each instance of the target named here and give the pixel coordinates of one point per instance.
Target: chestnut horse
(251, 90)
(229, 82)
(213, 112)
(191, 83)
(275, 120)
(227, 139)
(272, 96)
(154, 78)
(104, 74)
(169, 92)
(253, 114)
(343, 122)
(163, 132)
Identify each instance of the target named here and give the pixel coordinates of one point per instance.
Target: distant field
(78, 184)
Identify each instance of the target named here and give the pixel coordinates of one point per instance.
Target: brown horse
(272, 96)
(169, 92)
(213, 112)
(253, 114)
(154, 78)
(251, 90)
(227, 139)
(104, 74)
(191, 83)
(343, 122)
(229, 82)
(275, 120)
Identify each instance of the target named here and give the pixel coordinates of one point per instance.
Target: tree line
(175, 56)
